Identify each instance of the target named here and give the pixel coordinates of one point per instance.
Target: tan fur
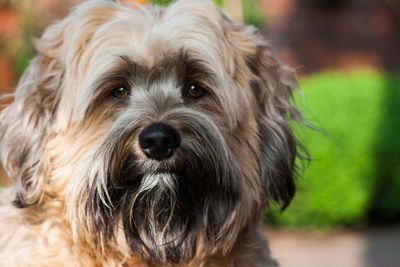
(58, 135)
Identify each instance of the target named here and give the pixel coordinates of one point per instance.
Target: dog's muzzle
(159, 141)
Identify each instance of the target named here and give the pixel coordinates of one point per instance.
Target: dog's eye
(194, 91)
(120, 92)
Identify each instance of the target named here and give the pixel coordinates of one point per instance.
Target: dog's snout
(159, 141)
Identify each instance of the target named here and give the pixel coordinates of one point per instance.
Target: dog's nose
(158, 141)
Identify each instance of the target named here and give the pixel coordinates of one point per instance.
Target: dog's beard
(166, 208)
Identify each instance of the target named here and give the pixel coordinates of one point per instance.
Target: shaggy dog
(146, 137)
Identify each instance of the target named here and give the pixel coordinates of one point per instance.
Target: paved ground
(367, 248)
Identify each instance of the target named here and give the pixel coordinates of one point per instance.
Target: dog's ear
(24, 123)
(272, 85)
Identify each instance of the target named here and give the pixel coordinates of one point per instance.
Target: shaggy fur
(85, 194)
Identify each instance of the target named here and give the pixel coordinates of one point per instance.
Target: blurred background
(346, 54)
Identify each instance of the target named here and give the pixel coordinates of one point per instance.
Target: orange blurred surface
(142, 2)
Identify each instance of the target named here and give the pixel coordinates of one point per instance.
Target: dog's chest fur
(44, 239)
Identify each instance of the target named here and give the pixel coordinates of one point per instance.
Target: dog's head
(169, 126)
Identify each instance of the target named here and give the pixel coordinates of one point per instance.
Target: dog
(146, 136)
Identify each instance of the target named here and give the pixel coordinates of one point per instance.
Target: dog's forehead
(188, 25)
(148, 35)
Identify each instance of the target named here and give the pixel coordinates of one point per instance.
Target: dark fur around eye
(193, 91)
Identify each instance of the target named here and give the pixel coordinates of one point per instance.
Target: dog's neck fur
(49, 241)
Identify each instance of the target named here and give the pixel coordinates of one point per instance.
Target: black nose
(159, 141)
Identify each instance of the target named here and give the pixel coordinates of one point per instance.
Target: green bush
(354, 175)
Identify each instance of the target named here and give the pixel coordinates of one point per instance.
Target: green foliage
(385, 205)
(25, 51)
(252, 14)
(20, 49)
(162, 2)
(354, 177)
(219, 2)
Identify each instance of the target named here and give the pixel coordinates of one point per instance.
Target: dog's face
(167, 127)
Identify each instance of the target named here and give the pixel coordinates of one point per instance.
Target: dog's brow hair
(187, 67)
(197, 68)
(123, 70)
